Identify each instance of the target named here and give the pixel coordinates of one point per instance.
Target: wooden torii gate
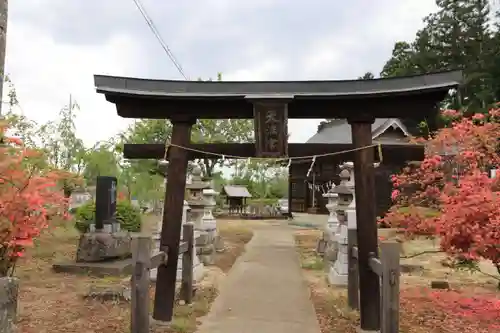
(271, 104)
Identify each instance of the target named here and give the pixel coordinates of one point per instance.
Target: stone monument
(104, 240)
(104, 249)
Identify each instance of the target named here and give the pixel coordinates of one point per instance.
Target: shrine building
(306, 192)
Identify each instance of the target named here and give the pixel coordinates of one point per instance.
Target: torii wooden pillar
(367, 232)
(172, 219)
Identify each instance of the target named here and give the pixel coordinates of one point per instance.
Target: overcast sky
(55, 47)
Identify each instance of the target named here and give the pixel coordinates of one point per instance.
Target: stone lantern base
(198, 268)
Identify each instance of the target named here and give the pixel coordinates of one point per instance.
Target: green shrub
(128, 216)
(262, 201)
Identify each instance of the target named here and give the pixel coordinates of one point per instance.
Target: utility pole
(4, 14)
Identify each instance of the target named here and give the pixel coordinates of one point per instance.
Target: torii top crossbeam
(399, 97)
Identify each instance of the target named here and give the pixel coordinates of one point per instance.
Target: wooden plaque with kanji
(271, 129)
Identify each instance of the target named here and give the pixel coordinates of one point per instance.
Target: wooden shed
(236, 198)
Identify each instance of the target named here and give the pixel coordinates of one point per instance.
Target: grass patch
(235, 236)
(263, 202)
(306, 241)
(332, 311)
(304, 225)
(330, 304)
(425, 211)
(186, 316)
(314, 264)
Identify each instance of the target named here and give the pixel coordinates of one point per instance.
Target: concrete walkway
(264, 291)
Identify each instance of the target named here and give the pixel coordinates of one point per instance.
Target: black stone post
(105, 201)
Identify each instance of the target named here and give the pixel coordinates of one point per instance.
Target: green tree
(143, 179)
(100, 160)
(19, 125)
(64, 150)
(458, 36)
(220, 131)
(494, 64)
(367, 76)
(402, 61)
(264, 179)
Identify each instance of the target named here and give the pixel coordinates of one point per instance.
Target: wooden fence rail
(144, 262)
(388, 268)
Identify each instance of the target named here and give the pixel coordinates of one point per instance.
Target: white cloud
(332, 57)
(367, 41)
(266, 70)
(328, 56)
(47, 64)
(45, 73)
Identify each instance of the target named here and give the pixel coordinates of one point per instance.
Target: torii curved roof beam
(400, 97)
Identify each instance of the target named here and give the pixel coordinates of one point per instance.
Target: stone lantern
(195, 198)
(349, 167)
(338, 271)
(333, 222)
(201, 199)
(345, 195)
(209, 221)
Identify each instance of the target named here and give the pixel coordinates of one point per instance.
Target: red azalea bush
(469, 224)
(449, 194)
(29, 199)
(122, 196)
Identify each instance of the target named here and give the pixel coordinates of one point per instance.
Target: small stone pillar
(331, 224)
(197, 266)
(9, 289)
(352, 223)
(208, 219)
(341, 202)
(206, 244)
(338, 271)
(156, 238)
(209, 222)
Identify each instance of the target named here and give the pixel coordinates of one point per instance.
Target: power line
(165, 47)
